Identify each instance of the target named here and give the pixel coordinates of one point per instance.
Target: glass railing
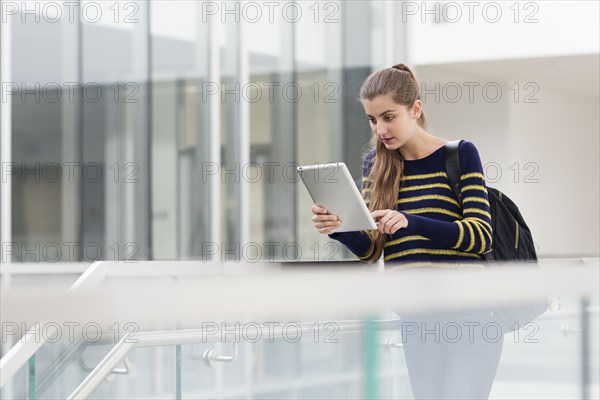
(201, 330)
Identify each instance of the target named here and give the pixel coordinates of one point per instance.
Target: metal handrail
(22, 351)
(192, 336)
(199, 336)
(92, 276)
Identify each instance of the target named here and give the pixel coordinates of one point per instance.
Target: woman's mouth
(387, 140)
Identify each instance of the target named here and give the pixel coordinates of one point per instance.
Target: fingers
(323, 221)
(325, 218)
(327, 226)
(379, 213)
(325, 231)
(386, 223)
(389, 221)
(398, 225)
(316, 209)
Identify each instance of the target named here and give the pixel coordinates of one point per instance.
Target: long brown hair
(383, 182)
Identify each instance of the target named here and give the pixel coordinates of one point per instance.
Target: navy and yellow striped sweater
(438, 230)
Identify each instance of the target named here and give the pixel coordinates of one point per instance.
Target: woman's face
(394, 124)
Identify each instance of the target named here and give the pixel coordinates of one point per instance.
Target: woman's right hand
(324, 222)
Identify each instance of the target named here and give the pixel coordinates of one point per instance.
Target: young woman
(419, 219)
(406, 186)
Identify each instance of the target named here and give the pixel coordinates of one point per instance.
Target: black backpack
(511, 238)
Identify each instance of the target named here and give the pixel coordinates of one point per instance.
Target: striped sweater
(438, 230)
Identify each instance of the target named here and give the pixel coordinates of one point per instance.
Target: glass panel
(18, 386)
(115, 127)
(181, 166)
(151, 376)
(304, 364)
(60, 365)
(541, 360)
(272, 100)
(45, 158)
(387, 357)
(331, 122)
(393, 381)
(230, 93)
(320, 111)
(593, 351)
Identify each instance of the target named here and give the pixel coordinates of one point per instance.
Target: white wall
(558, 136)
(561, 135)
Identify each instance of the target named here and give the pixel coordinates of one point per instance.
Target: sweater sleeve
(358, 242)
(473, 232)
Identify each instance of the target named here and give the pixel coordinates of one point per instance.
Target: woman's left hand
(389, 221)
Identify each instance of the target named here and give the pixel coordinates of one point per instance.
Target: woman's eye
(389, 118)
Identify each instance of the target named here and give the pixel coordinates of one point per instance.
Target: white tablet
(331, 186)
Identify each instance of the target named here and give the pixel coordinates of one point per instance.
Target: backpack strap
(453, 167)
(454, 173)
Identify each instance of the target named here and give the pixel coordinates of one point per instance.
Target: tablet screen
(331, 186)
